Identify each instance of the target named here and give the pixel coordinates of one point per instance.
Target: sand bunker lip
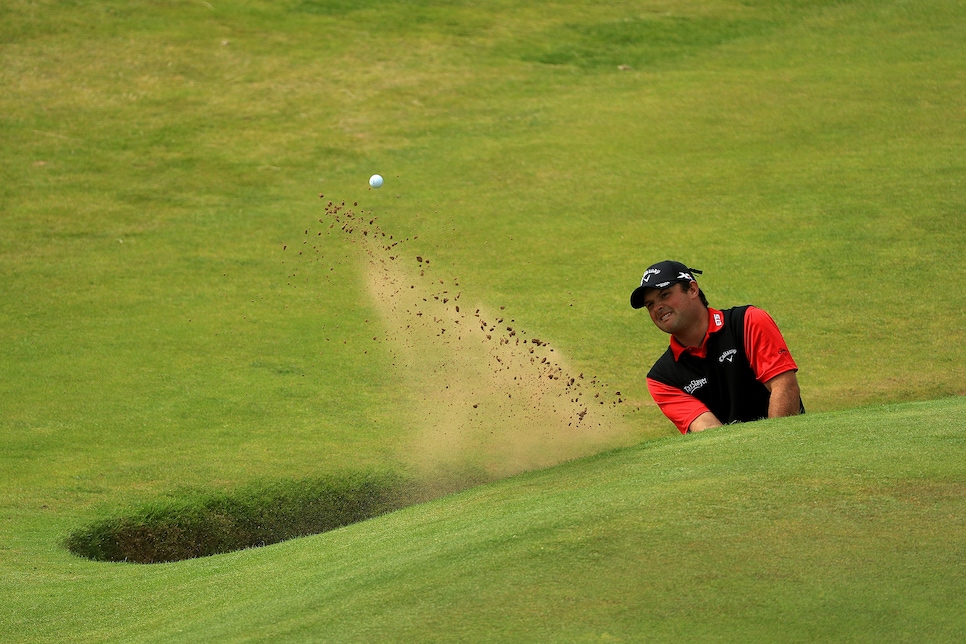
(484, 392)
(193, 525)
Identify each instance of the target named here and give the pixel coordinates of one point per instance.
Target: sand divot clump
(485, 394)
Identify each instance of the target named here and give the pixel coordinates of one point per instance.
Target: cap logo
(662, 285)
(685, 276)
(648, 273)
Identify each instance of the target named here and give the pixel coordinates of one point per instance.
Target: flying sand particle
(517, 411)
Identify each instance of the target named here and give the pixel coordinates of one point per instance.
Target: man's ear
(693, 290)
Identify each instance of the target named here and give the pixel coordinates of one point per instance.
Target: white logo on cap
(685, 276)
(648, 273)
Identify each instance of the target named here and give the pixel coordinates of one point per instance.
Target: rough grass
(202, 524)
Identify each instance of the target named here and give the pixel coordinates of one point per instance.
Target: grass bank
(204, 523)
(840, 526)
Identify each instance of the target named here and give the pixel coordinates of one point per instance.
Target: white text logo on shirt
(694, 385)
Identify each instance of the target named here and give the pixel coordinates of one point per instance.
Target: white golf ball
(375, 181)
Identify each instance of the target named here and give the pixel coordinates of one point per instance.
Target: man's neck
(694, 335)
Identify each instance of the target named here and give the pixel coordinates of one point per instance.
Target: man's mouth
(665, 316)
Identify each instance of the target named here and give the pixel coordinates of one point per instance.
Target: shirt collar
(715, 324)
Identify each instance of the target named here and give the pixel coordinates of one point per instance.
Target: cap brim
(637, 297)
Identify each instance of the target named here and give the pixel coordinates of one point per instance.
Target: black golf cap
(662, 275)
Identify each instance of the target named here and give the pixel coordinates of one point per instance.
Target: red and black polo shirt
(725, 375)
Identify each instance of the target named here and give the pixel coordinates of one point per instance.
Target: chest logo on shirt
(694, 385)
(728, 355)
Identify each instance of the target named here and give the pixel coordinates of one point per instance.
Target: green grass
(196, 523)
(155, 158)
(829, 527)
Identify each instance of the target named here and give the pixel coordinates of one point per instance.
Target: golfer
(722, 367)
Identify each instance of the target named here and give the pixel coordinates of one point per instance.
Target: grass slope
(844, 526)
(156, 159)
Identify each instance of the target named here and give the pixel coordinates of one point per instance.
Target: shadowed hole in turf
(199, 524)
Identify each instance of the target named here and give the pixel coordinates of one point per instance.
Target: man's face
(673, 309)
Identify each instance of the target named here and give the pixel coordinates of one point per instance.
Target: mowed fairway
(179, 310)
